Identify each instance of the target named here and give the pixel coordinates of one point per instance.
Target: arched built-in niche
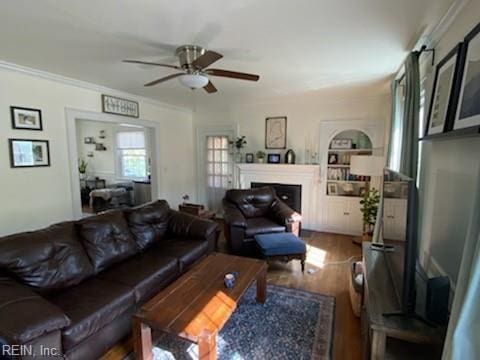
(340, 182)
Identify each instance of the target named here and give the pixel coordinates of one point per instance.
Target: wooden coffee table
(197, 305)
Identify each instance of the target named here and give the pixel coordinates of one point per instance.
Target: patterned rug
(292, 324)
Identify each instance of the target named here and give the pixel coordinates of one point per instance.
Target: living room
(294, 94)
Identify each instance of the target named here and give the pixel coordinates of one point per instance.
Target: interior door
(218, 170)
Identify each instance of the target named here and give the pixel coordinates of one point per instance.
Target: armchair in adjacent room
(255, 211)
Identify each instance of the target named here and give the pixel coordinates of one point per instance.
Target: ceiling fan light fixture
(194, 81)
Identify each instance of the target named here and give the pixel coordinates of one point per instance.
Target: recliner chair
(255, 211)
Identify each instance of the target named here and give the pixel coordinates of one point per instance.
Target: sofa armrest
(25, 315)
(283, 214)
(189, 226)
(233, 216)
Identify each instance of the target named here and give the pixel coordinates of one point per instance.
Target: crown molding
(437, 33)
(433, 37)
(4, 65)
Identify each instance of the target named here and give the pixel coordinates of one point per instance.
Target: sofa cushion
(90, 306)
(187, 251)
(107, 239)
(252, 202)
(262, 226)
(50, 258)
(148, 223)
(147, 273)
(280, 244)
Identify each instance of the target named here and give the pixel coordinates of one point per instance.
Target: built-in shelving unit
(340, 182)
(339, 212)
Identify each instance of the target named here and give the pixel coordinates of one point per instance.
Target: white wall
(304, 116)
(449, 176)
(102, 164)
(35, 197)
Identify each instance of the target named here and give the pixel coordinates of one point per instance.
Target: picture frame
(119, 106)
(273, 158)
(444, 99)
(332, 188)
(468, 108)
(27, 153)
(26, 118)
(332, 159)
(341, 144)
(249, 158)
(276, 132)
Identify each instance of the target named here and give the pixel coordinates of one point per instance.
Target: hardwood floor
(327, 256)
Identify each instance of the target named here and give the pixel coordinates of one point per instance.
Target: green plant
(369, 209)
(82, 166)
(239, 142)
(260, 155)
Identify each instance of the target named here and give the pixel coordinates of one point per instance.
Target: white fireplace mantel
(308, 176)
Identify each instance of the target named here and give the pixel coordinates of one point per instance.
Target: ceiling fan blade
(151, 63)
(232, 74)
(206, 59)
(158, 81)
(210, 88)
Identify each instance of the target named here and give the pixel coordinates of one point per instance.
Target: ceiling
(297, 47)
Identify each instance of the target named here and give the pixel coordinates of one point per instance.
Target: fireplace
(289, 194)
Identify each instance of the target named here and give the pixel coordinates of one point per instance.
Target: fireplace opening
(289, 194)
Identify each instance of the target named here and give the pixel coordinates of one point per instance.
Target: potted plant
(82, 168)
(239, 143)
(260, 156)
(369, 210)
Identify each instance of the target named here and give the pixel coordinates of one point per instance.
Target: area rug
(292, 324)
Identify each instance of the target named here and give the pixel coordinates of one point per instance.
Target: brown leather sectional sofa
(75, 285)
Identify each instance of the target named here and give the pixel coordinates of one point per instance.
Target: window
(218, 165)
(397, 128)
(132, 154)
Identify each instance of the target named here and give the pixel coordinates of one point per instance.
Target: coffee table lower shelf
(197, 305)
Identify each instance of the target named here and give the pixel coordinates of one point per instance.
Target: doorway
(112, 161)
(215, 165)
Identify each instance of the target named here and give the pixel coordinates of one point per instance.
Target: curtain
(410, 123)
(463, 334)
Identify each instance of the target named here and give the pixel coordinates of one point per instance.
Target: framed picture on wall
(29, 153)
(276, 132)
(26, 118)
(445, 92)
(468, 109)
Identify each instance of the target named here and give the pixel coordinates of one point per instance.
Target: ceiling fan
(194, 61)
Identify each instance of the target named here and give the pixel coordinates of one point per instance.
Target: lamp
(194, 81)
(367, 165)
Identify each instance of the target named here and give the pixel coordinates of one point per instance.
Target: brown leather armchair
(255, 211)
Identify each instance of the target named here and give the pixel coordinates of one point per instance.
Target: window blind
(130, 140)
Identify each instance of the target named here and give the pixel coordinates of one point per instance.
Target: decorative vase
(260, 160)
(83, 176)
(238, 156)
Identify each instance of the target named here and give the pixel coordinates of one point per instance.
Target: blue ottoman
(282, 246)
